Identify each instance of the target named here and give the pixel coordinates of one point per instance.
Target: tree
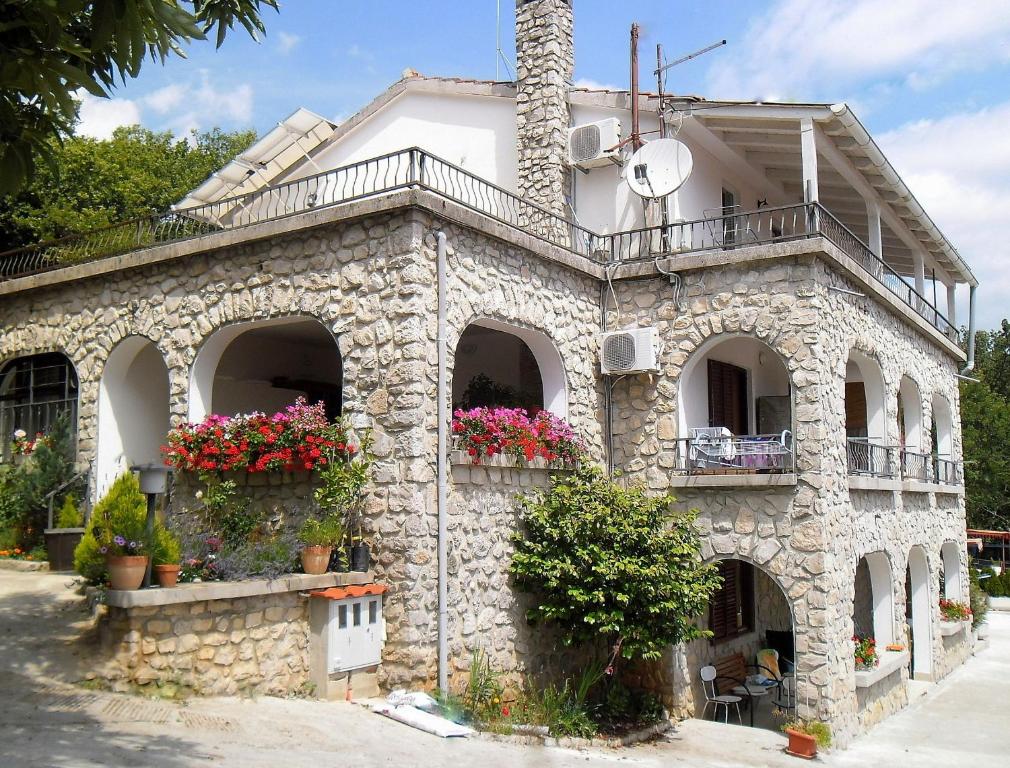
(50, 49)
(611, 564)
(985, 428)
(93, 183)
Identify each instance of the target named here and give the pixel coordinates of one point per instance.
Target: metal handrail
(415, 168)
(51, 496)
(864, 457)
(768, 454)
(915, 465)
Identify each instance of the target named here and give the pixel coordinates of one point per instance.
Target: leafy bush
(610, 563)
(977, 598)
(70, 516)
(996, 585)
(23, 488)
(166, 548)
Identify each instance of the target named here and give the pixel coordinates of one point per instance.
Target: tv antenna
(661, 70)
(499, 54)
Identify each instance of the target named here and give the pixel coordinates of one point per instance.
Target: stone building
(803, 395)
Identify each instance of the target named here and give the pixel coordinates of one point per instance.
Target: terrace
(416, 169)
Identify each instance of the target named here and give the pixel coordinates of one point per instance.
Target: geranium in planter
(486, 432)
(318, 538)
(805, 736)
(952, 610)
(865, 651)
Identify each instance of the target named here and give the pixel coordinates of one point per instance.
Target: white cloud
(287, 42)
(959, 169)
(794, 48)
(594, 85)
(165, 99)
(100, 117)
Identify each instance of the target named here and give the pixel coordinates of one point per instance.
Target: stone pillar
(545, 63)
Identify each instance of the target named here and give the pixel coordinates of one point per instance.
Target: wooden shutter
(727, 397)
(855, 410)
(731, 609)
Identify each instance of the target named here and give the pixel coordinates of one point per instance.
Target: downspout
(970, 364)
(443, 450)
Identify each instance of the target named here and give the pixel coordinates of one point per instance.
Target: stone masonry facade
(371, 282)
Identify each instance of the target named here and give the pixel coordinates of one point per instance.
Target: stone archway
(133, 409)
(919, 611)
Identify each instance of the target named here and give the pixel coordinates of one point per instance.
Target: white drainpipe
(970, 364)
(443, 449)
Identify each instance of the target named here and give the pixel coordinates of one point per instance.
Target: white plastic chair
(714, 698)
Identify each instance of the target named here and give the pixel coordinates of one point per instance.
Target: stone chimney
(545, 64)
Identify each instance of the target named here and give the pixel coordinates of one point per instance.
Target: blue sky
(931, 81)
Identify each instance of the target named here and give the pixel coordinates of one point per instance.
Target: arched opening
(865, 425)
(133, 409)
(736, 408)
(266, 365)
(950, 574)
(914, 463)
(35, 391)
(502, 365)
(751, 621)
(873, 599)
(942, 440)
(919, 608)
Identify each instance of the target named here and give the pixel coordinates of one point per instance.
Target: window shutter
(731, 609)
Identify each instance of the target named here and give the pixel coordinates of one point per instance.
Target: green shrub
(325, 532)
(166, 548)
(613, 564)
(70, 515)
(123, 510)
(820, 731)
(977, 599)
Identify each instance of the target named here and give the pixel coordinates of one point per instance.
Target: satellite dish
(659, 168)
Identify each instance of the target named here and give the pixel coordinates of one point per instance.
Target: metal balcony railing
(946, 471)
(415, 168)
(870, 459)
(712, 454)
(915, 466)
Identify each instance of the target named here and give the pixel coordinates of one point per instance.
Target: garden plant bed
(537, 736)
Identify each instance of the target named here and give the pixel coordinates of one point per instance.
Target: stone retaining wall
(248, 645)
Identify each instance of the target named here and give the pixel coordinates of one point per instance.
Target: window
(731, 609)
(34, 392)
(357, 614)
(342, 616)
(373, 611)
(727, 397)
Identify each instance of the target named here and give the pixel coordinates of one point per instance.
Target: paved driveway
(45, 720)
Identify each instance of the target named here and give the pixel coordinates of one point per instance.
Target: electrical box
(355, 629)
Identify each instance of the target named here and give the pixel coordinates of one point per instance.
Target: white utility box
(354, 628)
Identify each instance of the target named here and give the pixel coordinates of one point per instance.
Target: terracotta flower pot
(168, 575)
(801, 744)
(126, 571)
(315, 559)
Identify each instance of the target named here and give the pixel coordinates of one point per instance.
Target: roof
(356, 590)
(760, 140)
(290, 143)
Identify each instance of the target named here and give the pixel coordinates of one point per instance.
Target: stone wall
(808, 536)
(545, 63)
(249, 645)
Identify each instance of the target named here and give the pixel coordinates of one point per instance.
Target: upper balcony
(414, 168)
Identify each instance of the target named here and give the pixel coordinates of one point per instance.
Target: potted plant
(805, 736)
(953, 610)
(167, 555)
(319, 537)
(359, 554)
(125, 558)
(343, 477)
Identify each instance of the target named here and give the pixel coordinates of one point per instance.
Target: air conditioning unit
(592, 144)
(632, 350)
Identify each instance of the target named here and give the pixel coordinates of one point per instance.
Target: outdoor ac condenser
(631, 350)
(593, 144)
